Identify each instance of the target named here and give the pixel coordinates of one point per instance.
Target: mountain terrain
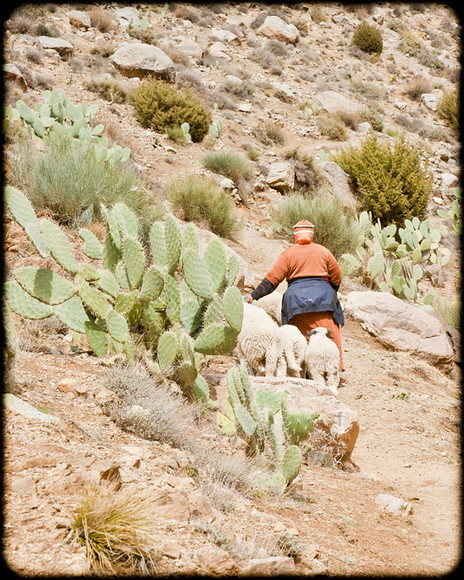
(263, 89)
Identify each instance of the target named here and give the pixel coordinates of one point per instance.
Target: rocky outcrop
(275, 28)
(338, 181)
(281, 176)
(400, 325)
(140, 60)
(336, 428)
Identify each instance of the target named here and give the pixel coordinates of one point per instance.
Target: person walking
(313, 276)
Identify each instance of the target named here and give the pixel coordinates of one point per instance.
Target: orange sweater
(299, 261)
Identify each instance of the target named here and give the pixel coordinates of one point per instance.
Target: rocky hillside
(274, 86)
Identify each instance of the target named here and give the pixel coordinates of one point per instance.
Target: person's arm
(272, 279)
(263, 289)
(335, 274)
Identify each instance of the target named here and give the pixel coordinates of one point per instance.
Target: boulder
(281, 176)
(219, 50)
(79, 18)
(400, 325)
(12, 73)
(337, 426)
(63, 47)
(136, 59)
(126, 16)
(333, 102)
(338, 181)
(223, 35)
(275, 28)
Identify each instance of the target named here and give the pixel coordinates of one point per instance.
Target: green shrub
(158, 105)
(391, 182)
(202, 201)
(448, 109)
(71, 182)
(335, 227)
(368, 38)
(449, 311)
(228, 163)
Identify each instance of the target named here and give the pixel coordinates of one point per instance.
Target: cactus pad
(22, 211)
(92, 247)
(134, 258)
(108, 283)
(44, 284)
(291, 463)
(58, 244)
(233, 307)
(215, 339)
(167, 349)
(117, 327)
(96, 337)
(72, 314)
(95, 301)
(216, 260)
(24, 304)
(158, 244)
(152, 284)
(197, 274)
(173, 241)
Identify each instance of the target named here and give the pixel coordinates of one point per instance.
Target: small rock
(214, 561)
(393, 504)
(274, 566)
(171, 550)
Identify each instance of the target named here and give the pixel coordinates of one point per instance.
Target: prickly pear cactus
(176, 305)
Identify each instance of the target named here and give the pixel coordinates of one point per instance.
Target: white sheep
(322, 359)
(259, 343)
(272, 304)
(294, 347)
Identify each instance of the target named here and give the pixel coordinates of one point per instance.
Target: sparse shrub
(228, 163)
(277, 48)
(307, 177)
(448, 109)
(143, 34)
(159, 105)
(368, 38)
(267, 60)
(201, 200)
(331, 127)
(410, 44)
(101, 19)
(69, 180)
(417, 87)
(269, 133)
(107, 88)
(335, 227)
(391, 181)
(449, 311)
(117, 529)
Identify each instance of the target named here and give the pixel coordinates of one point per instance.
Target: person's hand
(249, 299)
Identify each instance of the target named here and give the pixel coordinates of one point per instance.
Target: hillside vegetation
(156, 157)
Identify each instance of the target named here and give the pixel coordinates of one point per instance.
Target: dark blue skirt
(311, 294)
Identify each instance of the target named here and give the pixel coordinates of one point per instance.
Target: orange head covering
(303, 232)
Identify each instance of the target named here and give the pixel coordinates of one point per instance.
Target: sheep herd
(276, 350)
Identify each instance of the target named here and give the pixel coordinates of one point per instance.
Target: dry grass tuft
(117, 529)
